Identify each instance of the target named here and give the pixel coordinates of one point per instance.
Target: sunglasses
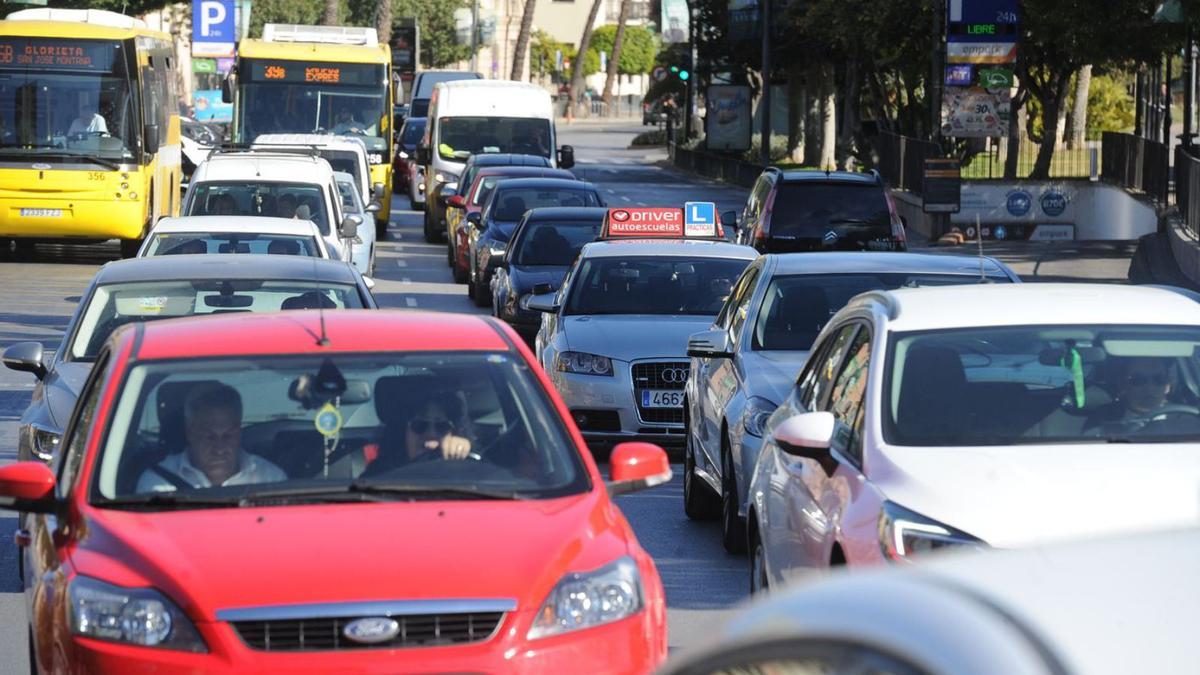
(1158, 380)
(440, 427)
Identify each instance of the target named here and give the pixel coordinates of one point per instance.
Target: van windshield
(461, 137)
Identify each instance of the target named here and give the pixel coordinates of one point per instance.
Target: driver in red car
(431, 427)
(212, 417)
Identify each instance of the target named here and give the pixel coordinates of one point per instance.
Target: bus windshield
(66, 98)
(279, 97)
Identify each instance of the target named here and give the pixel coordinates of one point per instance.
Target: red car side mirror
(27, 486)
(637, 466)
(456, 202)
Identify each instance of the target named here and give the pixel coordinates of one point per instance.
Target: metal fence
(1079, 162)
(902, 160)
(1187, 188)
(1136, 163)
(594, 107)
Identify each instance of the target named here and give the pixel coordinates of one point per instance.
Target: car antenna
(979, 238)
(323, 340)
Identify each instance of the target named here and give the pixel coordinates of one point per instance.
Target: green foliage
(307, 12)
(1110, 107)
(542, 51)
(637, 50)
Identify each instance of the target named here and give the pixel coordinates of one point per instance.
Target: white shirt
(97, 123)
(251, 469)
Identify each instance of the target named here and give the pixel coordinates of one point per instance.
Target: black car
(146, 289)
(543, 247)
(812, 210)
(406, 144)
(488, 236)
(435, 202)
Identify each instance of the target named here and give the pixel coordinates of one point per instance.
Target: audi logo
(674, 375)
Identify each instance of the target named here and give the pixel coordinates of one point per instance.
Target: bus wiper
(30, 145)
(170, 500)
(106, 163)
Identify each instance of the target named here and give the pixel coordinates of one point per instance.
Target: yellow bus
(318, 79)
(89, 127)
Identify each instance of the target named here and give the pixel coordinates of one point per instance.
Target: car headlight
(904, 534)
(403, 155)
(139, 616)
(444, 177)
(754, 417)
(45, 442)
(588, 599)
(583, 363)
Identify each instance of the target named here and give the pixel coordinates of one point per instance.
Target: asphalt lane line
(401, 263)
(625, 198)
(411, 302)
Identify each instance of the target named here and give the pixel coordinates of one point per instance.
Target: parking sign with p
(214, 25)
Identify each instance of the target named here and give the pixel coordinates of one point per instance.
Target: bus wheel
(129, 247)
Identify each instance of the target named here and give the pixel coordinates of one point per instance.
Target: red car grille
(323, 634)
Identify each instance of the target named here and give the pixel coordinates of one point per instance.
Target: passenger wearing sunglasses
(1144, 387)
(431, 434)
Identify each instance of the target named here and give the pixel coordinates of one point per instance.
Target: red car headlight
(588, 599)
(138, 616)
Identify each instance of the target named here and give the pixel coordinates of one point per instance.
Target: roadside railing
(1187, 189)
(1135, 163)
(902, 159)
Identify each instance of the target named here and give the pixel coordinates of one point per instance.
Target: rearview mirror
(456, 202)
(807, 435)
(566, 157)
(637, 466)
(26, 357)
(448, 190)
(374, 207)
(543, 302)
(377, 191)
(27, 486)
(423, 155)
(710, 344)
(349, 227)
(729, 219)
(229, 301)
(475, 219)
(150, 138)
(227, 90)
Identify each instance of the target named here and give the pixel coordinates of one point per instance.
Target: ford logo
(371, 630)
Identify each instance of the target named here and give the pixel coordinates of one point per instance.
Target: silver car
(613, 339)
(743, 366)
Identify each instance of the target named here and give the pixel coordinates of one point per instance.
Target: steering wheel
(1170, 410)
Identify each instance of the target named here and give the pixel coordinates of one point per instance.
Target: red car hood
(215, 559)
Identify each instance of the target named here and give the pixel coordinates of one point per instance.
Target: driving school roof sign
(645, 222)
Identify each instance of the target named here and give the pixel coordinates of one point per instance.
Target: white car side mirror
(807, 434)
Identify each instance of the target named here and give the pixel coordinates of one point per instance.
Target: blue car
(543, 247)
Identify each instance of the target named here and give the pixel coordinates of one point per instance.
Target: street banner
(728, 122)
(990, 53)
(975, 112)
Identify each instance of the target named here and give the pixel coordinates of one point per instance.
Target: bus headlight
(133, 195)
(124, 186)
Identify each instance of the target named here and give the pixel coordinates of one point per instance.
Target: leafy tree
(435, 18)
(637, 53)
(305, 12)
(543, 50)
(1110, 107)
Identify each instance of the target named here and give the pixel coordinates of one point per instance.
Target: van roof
(330, 141)
(264, 167)
(492, 98)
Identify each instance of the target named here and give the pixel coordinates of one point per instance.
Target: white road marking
(612, 192)
(625, 198)
(401, 263)
(411, 302)
(405, 280)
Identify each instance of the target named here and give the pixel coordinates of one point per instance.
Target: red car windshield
(344, 427)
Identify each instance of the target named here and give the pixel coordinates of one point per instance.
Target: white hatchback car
(234, 234)
(282, 185)
(981, 416)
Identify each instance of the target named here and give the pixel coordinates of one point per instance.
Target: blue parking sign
(214, 28)
(700, 219)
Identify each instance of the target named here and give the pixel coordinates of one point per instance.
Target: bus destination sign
(56, 54)
(353, 74)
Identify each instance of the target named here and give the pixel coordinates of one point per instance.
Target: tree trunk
(518, 69)
(812, 117)
(795, 89)
(585, 42)
(828, 119)
(383, 20)
(614, 59)
(1083, 87)
(330, 17)
(1052, 101)
(1015, 124)
(849, 116)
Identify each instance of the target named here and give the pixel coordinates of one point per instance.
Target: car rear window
(807, 209)
(512, 203)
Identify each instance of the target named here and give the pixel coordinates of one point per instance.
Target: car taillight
(898, 232)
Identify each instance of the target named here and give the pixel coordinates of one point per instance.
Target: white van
(468, 117)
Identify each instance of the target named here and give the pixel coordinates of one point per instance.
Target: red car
(460, 208)
(352, 492)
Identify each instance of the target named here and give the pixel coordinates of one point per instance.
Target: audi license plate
(41, 213)
(662, 399)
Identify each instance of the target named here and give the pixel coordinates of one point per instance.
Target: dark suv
(813, 210)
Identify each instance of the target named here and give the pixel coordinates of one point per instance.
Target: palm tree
(518, 69)
(585, 41)
(615, 58)
(330, 17)
(383, 20)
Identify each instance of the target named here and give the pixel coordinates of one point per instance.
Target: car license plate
(41, 213)
(652, 398)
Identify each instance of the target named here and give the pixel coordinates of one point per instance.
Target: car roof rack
(329, 35)
(261, 149)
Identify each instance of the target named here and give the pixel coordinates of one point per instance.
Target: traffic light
(681, 73)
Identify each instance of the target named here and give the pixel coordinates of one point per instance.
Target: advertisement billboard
(727, 123)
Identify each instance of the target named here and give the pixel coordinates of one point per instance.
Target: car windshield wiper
(170, 500)
(364, 491)
(852, 221)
